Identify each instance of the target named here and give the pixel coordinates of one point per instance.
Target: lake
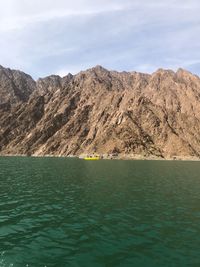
(57, 212)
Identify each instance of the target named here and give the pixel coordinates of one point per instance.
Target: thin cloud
(19, 20)
(44, 37)
(22, 22)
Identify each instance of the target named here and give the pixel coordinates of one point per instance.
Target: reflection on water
(70, 212)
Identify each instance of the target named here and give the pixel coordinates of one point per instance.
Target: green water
(70, 212)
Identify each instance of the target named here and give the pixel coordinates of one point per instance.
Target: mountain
(99, 111)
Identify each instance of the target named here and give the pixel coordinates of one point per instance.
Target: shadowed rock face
(100, 111)
(15, 86)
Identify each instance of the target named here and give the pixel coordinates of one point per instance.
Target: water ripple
(66, 212)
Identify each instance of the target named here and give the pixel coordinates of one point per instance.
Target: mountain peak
(183, 71)
(99, 68)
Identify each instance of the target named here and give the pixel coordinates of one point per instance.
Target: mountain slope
(101, 111)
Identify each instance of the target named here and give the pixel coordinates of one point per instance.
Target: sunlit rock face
(101, 111)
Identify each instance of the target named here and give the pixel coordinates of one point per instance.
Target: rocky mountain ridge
(101, 111)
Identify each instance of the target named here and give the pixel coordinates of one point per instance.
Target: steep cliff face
(101, 111)
(15, 86)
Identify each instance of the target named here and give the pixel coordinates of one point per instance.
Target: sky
(43, 37)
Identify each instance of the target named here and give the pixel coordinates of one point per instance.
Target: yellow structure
(92, 158)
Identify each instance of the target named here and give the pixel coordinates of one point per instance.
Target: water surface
(57, 212)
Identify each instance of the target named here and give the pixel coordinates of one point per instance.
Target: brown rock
(101, 111)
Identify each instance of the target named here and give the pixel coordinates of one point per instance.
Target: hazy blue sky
(42, 37)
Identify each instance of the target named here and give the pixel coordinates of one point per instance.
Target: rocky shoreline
(109, 157)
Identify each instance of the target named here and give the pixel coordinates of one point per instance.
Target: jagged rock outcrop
(15, 86)
(101, 111)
